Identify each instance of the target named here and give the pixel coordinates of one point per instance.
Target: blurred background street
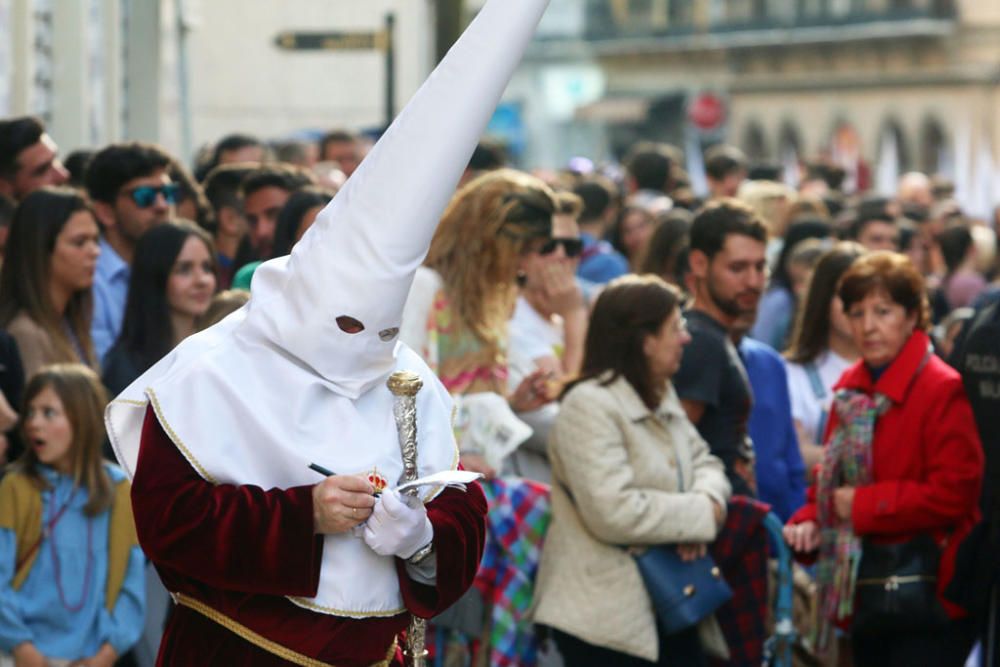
(879, 86)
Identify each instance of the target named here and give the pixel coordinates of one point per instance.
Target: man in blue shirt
(131, 190)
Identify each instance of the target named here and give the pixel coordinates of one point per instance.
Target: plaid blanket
(519, 515)
(741, 552)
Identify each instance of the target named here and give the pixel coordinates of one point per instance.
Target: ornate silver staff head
(404, 386)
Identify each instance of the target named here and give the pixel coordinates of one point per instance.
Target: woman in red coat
(902, 459)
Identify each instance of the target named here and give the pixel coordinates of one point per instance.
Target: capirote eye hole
(386, 335)
(349, 324)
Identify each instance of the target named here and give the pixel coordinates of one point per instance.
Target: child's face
(48, 430)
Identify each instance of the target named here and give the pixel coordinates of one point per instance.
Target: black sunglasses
(144, 196)
(572, 247)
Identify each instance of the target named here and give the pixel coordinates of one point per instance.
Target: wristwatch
(421, 554)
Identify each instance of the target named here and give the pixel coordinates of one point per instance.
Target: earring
(521, 279)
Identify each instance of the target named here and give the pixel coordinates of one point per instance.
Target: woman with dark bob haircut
(628, 469)
(899, 484)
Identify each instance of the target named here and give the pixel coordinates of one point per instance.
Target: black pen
(321, 470)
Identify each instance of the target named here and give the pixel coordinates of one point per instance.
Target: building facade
(183, 73)
(895, 84)
(94, 70)
(246, 81)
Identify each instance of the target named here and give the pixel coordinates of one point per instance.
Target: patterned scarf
(847, 461)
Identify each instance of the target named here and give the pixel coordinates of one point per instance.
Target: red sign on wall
(707, 111)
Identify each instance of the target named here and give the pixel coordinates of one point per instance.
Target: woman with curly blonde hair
(463, 296)
(457, 317)
(485, 230)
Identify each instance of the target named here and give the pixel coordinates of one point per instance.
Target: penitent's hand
(399, 526)
(341, 502)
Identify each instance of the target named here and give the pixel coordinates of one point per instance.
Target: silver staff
(404, 386)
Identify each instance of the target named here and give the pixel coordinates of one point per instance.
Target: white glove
(397, 528)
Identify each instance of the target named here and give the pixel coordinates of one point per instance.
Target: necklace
(50, 532)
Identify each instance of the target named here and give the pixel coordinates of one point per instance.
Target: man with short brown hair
(728, 273)
(28, 158)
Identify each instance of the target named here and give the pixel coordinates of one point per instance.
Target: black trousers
(679, 650)
(948, 646)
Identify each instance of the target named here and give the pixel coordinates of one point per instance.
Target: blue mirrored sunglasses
(144, 196)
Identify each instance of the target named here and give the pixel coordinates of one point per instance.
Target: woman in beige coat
(628, 469)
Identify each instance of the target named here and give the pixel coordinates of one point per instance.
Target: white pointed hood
(359, 258)
(279, 385)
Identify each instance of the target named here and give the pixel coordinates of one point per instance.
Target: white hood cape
(278, 385)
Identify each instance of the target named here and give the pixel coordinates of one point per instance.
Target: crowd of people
(682, 362)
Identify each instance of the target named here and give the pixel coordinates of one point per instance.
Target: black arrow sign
(332, 41)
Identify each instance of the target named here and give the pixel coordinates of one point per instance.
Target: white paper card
(457, 478)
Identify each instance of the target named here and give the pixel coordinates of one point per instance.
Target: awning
(615, 110)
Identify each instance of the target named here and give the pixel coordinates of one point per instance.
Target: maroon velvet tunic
(241, 549)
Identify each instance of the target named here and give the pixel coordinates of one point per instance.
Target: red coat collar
(897, 379)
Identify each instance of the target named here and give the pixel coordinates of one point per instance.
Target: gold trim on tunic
(132, 402)
(306, 603)
(261, 642)
(175, 438)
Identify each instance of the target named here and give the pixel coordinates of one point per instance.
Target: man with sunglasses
(548, 328)
(131, 190)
